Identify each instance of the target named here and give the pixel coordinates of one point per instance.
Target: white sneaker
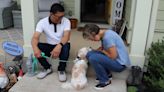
(44, 73)
(62, 76)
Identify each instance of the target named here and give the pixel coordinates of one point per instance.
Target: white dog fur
(79, 79)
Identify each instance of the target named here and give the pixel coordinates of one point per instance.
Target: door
(93, 11)
(108, 11)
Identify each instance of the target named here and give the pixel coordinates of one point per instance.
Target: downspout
(151, 29)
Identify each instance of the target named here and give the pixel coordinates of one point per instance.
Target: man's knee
(66, 47)
(91, 56)
(64, 55)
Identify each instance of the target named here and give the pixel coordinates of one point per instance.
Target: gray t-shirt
(110, 39)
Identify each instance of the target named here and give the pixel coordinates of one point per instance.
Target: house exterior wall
(68, 4)
(69, 7)
(159, 27)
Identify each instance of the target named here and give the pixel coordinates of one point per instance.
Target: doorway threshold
(106, 26)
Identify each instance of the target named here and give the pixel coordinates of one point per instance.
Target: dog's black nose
(78, 57)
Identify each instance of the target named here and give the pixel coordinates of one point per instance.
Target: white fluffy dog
(79, 79)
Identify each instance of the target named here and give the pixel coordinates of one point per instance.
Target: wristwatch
(61, 44)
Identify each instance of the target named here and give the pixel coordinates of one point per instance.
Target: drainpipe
(151, 30)
(152, 23)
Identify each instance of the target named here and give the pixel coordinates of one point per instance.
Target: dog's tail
(67, 85)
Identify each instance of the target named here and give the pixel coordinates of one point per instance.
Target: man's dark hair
(56, 7)
(90, 30)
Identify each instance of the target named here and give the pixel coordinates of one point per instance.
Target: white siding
(69, 6)
(158, 35)
(159, 29)
(160, 15)
(161, 5)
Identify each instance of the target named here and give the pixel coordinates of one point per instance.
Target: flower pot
(73, 22)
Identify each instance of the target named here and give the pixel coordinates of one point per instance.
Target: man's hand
(37, 53)
(34, 43)
(56, 51)
(100, 48)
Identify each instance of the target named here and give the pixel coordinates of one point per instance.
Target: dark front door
(93, 11)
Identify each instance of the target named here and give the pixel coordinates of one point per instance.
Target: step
(32, 84)
(51, 84)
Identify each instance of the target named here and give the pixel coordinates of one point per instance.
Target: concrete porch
(51, 83)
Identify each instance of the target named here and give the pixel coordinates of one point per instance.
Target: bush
(154, 77)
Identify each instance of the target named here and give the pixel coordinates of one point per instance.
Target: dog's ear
(89, 48)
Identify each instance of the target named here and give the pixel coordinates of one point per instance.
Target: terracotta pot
(73, 22)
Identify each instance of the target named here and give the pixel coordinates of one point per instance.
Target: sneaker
(44, 73)
(101, 86)
(109, 77)
(62, 76)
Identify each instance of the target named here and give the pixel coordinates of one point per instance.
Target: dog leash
(50, 58)
(34, 64)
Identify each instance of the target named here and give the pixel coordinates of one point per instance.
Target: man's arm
(34, 43)
(111, 52)
(56, 51)
(66, 37)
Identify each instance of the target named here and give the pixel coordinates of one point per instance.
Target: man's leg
(94, 59)
(64, 55)
(101, 63)
(46, 48)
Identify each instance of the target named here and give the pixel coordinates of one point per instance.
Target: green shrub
(132, 89)
(154, 78)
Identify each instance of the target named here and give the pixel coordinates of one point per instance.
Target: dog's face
(83, 52)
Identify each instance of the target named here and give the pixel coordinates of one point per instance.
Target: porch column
(140, 31)
(29, 9)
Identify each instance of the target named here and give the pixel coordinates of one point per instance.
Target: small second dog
(79, 79)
